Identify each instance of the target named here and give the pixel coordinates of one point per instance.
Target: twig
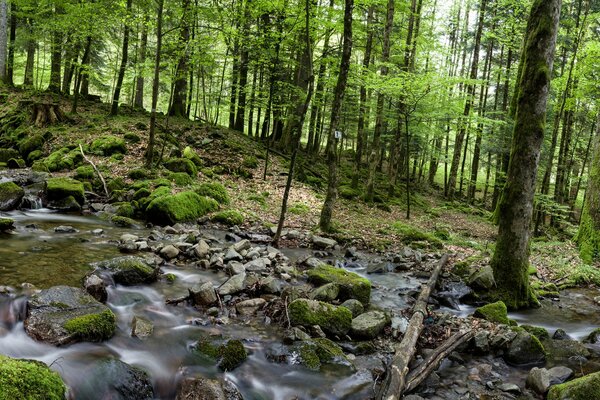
(95, 169)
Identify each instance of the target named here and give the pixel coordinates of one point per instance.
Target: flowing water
(36, 254)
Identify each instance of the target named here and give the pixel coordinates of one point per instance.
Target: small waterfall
(32, 202)
(12, 311)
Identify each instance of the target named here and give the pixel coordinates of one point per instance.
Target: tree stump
(44, 114)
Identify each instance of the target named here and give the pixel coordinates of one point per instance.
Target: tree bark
(155, 85)
(114, 110)
(139, 82)
(3, 38)
(178, 107)
(56, 56)
(11, 47)
(510, 261)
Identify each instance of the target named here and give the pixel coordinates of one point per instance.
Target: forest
(299, 199)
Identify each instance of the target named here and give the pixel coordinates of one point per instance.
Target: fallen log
(96, 170)
(394, 384)
(431, 363)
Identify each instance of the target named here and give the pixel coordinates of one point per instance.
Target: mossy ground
(29, 380)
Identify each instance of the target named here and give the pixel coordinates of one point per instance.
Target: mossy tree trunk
(588, 236)
(511, 257)
(115, 101)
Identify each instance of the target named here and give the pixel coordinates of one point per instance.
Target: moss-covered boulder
(539, 332)
(370, 324)
(181, 165)
(63, 314)
(160, 191)
(108, 145)
(229, 217)
(315, 353)
(191, 155)
(229, 355)
(16, 163)
(11, 195)
(584, 388)
(181, 178)
(34, 156)
(123, 222)
(6, 224)
(182, 207)
(566, 352)
(7, 154)
(60, 188)
(493, 312)
(214, 190)
(31, 143)
(525, 350)
(84, 172)
(25, 379)
(63, 159)
(128, 270)
(352, 286)
(333, 320)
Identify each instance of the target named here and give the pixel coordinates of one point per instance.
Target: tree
(510, 261)
(155, 84)
(338, 97)
(115, 102)
(3, 38)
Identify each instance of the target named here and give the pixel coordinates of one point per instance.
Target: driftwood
(429, 365)
(95, 169)
(395, 382)
(44, 114)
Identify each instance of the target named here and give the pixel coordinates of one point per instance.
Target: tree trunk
(338, 97)
(3, 38)
(115, 102)
(55, 57)
(178, 107)
(240, 117)
(11, 47)
(234, 84)
(510, 261)
(155, 85)
(139, 82)
(29, 63)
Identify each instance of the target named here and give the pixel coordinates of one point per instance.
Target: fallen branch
(429, 365)
(394, 384)
(95, 169)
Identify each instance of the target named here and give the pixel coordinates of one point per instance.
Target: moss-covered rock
(7, 154)
(316, 352)
(6, 224)
(525, 350)
(138, 173)
(494, 312)
(352, 286)
(124, 209)
(191, 155)
(84, 172)
(181, 165)
(181, 178)
(24, 379)
(34, 156)
(60, 188)
(39, 166)
(132, 138)
(11, 195)
(333, 320)
(141, 193)
(214, 190)
(536, 331)
(123, 222)
(410, 234)
(155, 194)
(182, 207)
(229, 217)
(63, 159)
(108, 145)
(15, 163)
(347, 192)
(229, 355)
(586, 387)
(93, 327)
(31, 143)
(128, 270)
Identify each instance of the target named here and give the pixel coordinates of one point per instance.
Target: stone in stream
(593, 337)
(560, 334)
(28, 379)
(128, 270)
(65, 229)
(355, 307)
(257, 265)
(11, 195)
(233, 285)
(251, 306)
(242, 245)
(128, 237)
(232, 255)
(114, 379)
(201, 388)
(203, 294)
(352, 286)
(493, 312)
(586, 387)
(96, 287)
(323, 243)
(333, 320)
(169, 252)
(270, 285)
(316, 352)
(63, 314)
(369, 324)
(526, 349)
(6, 224)
(141, 328)
(571, 353)
(540, 379)
(235, 268)
(201, 249)
(482, 279)
(327, 292)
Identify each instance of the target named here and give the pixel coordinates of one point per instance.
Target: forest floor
(238, 162)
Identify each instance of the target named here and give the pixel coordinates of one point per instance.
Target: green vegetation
(93, 327)
(332, 319)
(352, 286)
(586, 387)
(6, 224)
(299, 209)
(494, 312)
(29, 380)
(181, 165)
(108, 145)
(191, 155)
(181, 207)
(60, 188)
(215, 191)
(410, 235)
(229, 217)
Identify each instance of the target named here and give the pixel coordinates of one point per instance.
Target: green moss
(319, 351)
(213, 190)
(184, 206)
(34, 155)
(115, 184)
(181, 165)
(137, 173)
(494, 312)
(84, 172)
(6, 224)
(141, 194)
(170, 278)
(309, 357)
(30, 144)
(132, 138)
(347, 192)
(125, 210)
(233, 354)
(15, 163)
(93, 327)
(108, 145)
(29, 380)
(208, 172)
(123, 222)
(250, 162)
(206, 347)
(229, 217)
(536, 331)
(411, 234)
(352, 286)
(192, 156)
(332, 319)
(7, 154)
(59, 188)
(586, 387)
(63, 159)
(299, 209)
(181, 178)
(39, 166)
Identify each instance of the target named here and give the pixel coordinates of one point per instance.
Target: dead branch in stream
(95, 169)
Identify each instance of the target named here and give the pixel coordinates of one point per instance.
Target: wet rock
(201, 388)
(540, 379)
(593, 337)
(65, 229)
(257, 265)
(62, 314)
(320, 351)
(235, 268)
(114, 379)
(380, 268)
(526, 349)
(11, 195)
(232, 255)
(250, 307)
(233, 285)
(369, 324)
(323, 243)
(355, 307)
(128, 270)
(270, 285)
(312, 262)
(333, 320)
(351, 252)
(201, 249)
(586, 387)
(481, 341)
(482, 279)
(203, 294)
(127, 248)
(494, 312)
(510, 388)
(242, 245)
(566, 352)
(502, 339)
(327, 292)
(169, 252)
(141, 328)
(352, 286)
(96, 287)
(128, 237)
(560, 334)
(97, 232)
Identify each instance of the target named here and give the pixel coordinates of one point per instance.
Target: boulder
(96, 287)
(233, 285)
(128, 270)
(323, 243)
(6, 224)
(108, 145)
(203, 294)
(201, 388)
(327, 292)
(27, 379)
(314, 353)
(169, 252)
(355, 307)
(482, 279)
(566, 352)
(369, 324)
(62, 315)
(493, 312)
(333, 320)
(352, 286)
(181, 207)
(181, 165)
(58, 189)
(540, 379)
(251, 306)
(11, 195)
(114, 379)
(201, 249)
(525, 349)
(141, 328)
(586, 387)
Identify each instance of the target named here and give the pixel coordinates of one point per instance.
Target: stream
(34, 253)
